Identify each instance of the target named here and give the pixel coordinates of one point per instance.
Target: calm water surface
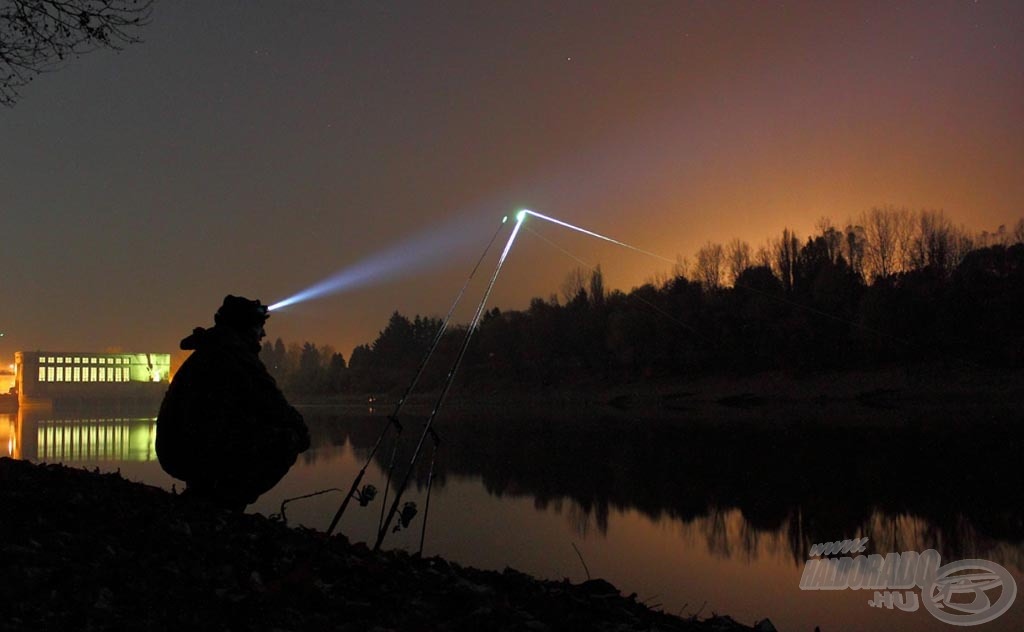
(692, 518)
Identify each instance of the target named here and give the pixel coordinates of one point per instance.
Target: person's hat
(241, 313)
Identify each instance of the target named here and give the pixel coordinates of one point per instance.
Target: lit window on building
(60, 374)
(42, 374)
(77, 374)
(92, 374)
(92, 360)
(78, 360)
(50, 373)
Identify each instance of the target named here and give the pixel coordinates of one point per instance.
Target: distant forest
(896, 286)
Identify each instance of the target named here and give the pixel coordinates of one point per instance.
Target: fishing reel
(405, 517)
(366, 495)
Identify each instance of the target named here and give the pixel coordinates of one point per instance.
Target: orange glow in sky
(255, 150)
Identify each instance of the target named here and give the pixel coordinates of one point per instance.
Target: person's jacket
(222, 408)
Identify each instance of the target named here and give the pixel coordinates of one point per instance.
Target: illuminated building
(50, 378)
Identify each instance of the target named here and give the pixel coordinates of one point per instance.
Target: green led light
(504, 219)
(521, 215)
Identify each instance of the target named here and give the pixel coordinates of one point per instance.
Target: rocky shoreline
(90, 551)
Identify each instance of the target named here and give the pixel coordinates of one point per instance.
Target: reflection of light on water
(726, 534)
(71, 440)
(8, 428)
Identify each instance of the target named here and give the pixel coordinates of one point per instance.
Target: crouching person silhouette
(224, 426)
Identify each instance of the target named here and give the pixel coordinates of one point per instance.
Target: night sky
(256, 148)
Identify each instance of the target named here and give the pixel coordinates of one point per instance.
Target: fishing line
(551, 243)
(427, 429)
(820, 312)
(599, 236)
(563, 250)
(392, 419)
(740, 285)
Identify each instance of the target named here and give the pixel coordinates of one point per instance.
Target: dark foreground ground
(88, 551)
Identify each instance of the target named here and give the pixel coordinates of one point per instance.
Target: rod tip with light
(521, 215)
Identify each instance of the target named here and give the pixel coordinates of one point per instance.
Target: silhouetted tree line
(893, 287)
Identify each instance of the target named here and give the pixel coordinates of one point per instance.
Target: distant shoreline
(930, 393)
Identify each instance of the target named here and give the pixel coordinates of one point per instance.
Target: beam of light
(412, 255)
(526, 211)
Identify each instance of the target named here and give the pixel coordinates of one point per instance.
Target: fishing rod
(392, 419)
(427, 426)
(430, 485)
(423, 363)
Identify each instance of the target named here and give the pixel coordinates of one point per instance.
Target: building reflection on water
(45, 436)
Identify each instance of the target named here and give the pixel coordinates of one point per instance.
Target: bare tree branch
(38, 36)
(710, 265)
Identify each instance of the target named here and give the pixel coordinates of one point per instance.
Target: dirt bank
(91, 551)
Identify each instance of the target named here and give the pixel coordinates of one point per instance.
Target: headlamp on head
(239, 312)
